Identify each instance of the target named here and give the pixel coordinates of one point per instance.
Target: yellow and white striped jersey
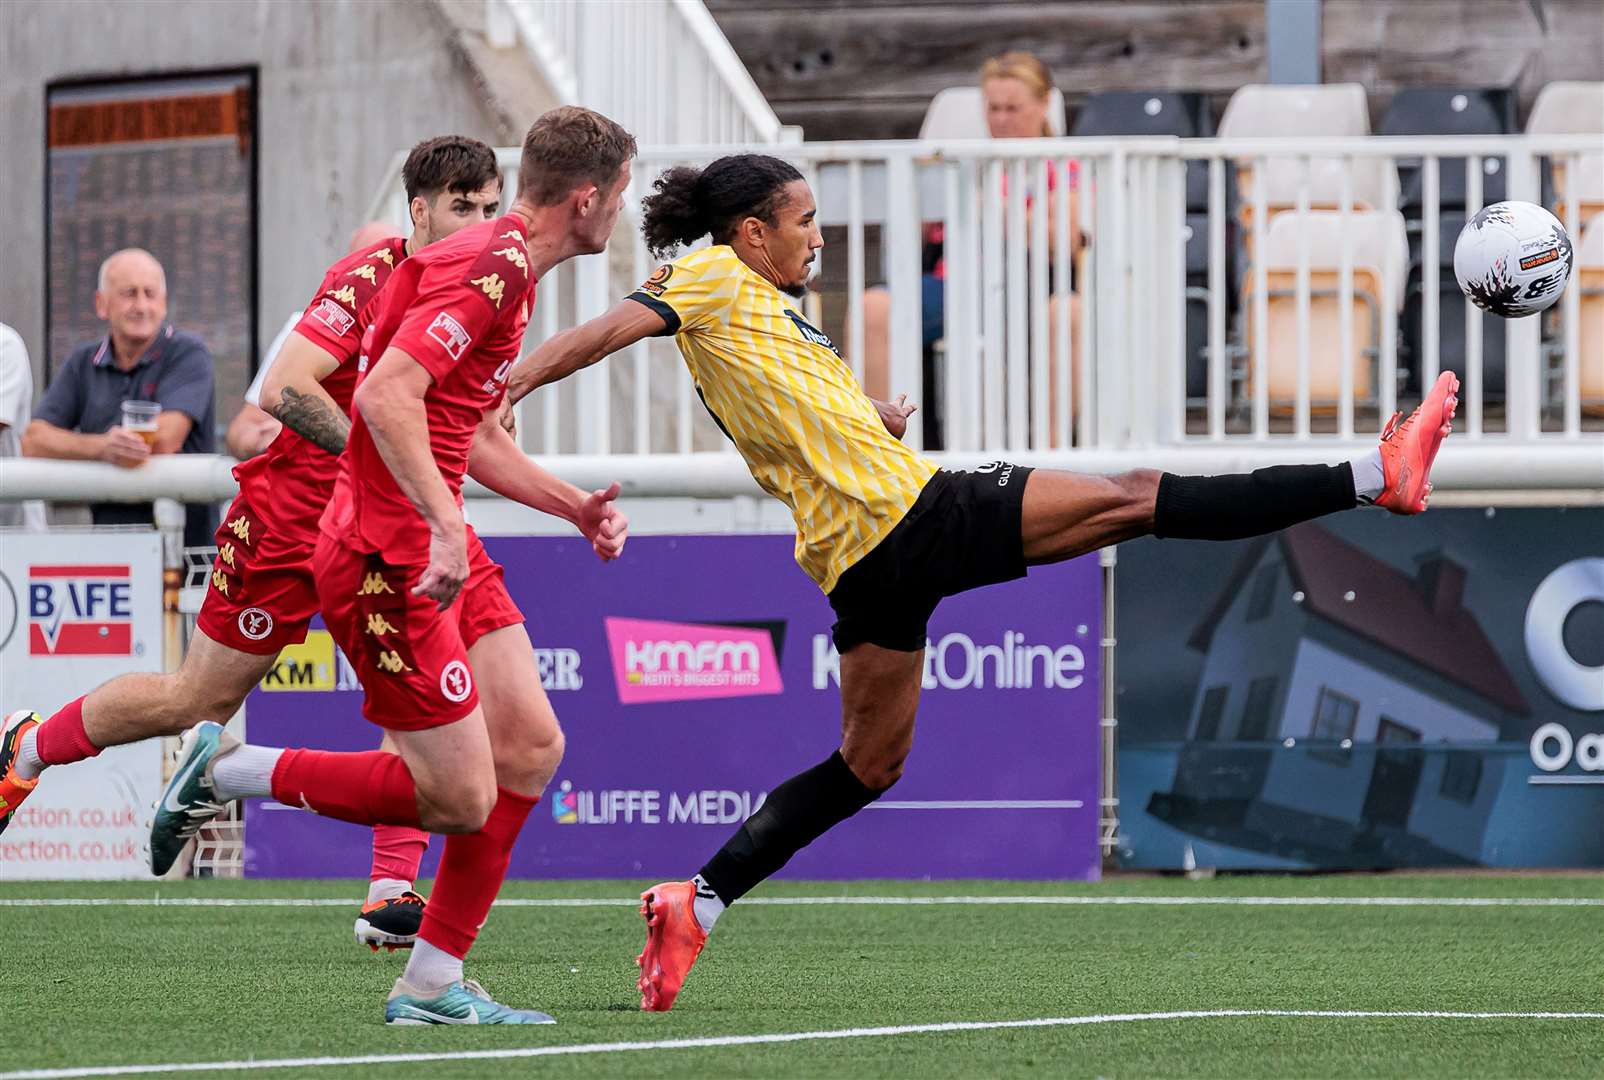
(791, 405)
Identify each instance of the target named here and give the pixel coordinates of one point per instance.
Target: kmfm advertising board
(696, 673)
(75, 610)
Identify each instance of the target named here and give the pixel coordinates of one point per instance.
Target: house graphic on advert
(1369, 672)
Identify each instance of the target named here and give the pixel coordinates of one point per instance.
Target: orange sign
(193, 116)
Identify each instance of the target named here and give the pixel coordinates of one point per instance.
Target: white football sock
(1369, 478)
(431, 968)
(245, 772)
(707, 906)
(386, 888)
(29, 765)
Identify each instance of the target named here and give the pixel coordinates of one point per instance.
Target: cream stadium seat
(1586, 186)
(1301, 112)
(959, 112)
(1380, 253)
(1573, 108)
(1590, 279)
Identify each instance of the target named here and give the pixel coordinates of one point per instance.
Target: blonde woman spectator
(1016, 89)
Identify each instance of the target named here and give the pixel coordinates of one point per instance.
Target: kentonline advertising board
(696, 673)
(75, 610)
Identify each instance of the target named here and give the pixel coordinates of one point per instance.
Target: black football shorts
(964, 531)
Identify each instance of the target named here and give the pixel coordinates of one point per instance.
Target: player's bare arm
(496, 461)
(391, 403)
(572, 350)
(293, 392)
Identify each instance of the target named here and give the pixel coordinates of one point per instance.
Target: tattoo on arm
(311, 418)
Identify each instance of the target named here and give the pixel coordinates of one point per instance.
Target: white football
(1513, 259)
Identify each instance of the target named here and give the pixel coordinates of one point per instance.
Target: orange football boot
(674, 939)
(13, 788)
(1409, 448)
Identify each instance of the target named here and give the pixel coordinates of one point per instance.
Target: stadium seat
(1379, 250)
(1573, 108)
(1586, 187)
(1259, 110)
(1590, 279)
(1451, 306)
(1139, 112)
(1298, 112)
(959, 112)
(1567, 108)
(1449, 111)
(1197, 298)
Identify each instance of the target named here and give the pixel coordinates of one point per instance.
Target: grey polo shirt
(87, 394)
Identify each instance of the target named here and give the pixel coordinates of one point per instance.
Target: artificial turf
(119, 986)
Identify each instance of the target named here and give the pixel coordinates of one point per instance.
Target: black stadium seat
(1186, 115)
(1158, 112)
(1451, 304)
(1449, 111)
(1140, 112)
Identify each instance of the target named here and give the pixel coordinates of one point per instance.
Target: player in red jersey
(261, 595)
(477, 738)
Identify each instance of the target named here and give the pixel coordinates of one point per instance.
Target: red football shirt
(290, 484)
(459, 308)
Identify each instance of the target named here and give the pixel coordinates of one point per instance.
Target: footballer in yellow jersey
(784, 396)
(885, 532)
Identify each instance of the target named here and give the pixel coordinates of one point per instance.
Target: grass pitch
(107, 986)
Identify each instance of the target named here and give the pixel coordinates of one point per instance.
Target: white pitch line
(760, 1040)
(867, 901)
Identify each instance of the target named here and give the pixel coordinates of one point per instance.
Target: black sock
(1250, 504)
(794, 815)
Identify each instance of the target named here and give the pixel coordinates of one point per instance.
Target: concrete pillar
(1292, 38)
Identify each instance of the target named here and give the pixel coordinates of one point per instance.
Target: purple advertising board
(696, 673)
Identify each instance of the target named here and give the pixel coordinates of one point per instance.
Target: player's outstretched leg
(879, 695)
(367, 788)
(209, 685)
(1067, 514)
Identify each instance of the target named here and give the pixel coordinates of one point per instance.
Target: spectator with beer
(145, 388)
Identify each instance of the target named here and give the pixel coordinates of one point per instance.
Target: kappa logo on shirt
(334, 316)
(450, 334)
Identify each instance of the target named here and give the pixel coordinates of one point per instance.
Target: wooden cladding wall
(850, 69)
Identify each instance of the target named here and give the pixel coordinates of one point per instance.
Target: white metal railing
(1487, 465)
(1005, 378)
(662, 68)
(1007, 382)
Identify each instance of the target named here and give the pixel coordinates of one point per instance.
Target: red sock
(471, 872)
(62, 740)
(368, 788)
(397, 852)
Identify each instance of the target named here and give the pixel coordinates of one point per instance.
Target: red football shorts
(261, 595)
(412, 657)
